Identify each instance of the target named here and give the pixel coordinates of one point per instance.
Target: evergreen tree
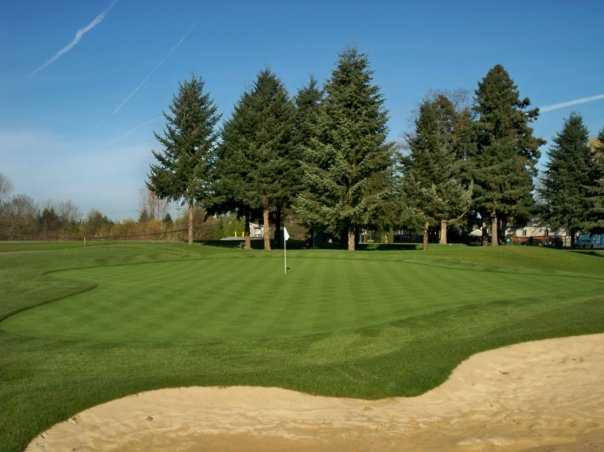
(303, 110)
(595, 212)
(307, 102)
(432, 172)
(272, 153)
(568, 178)
(257, 168)
(183, 171)
(506, 153)
(346, 167)
(232, 171)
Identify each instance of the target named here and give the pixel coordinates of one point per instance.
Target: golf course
(85, 325)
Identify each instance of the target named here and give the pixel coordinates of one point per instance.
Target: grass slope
(126, 317)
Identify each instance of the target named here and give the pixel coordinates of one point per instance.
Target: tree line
(21, 218)
(323, 158)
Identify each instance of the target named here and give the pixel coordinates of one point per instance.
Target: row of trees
(324, 153)
(572, 189)
(21, 218)
(324, 159)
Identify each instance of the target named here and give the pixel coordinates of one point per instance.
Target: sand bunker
(541, 396)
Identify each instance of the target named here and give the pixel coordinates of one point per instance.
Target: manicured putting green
(234, 296)
(84, 325)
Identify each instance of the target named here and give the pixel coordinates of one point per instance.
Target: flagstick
(284, 255)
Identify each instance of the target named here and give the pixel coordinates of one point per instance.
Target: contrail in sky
(77, 38)
(570, 103)
(157, 66)
(130, 131)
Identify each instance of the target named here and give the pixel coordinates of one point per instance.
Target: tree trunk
(277, 236)
(425, 241)
(246, 233)
(443, 232)
(190, 223)
(494, 230)
(351, 238)
(266, 223)
(503, 225)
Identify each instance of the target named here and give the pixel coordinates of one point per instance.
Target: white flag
(285, 234)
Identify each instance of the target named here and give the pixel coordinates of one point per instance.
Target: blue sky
(62, 135)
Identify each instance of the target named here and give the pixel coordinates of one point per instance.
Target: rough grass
(86, 325)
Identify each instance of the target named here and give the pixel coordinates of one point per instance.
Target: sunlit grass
(125, 317)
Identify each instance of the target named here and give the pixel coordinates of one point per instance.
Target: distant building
(540, 235)
(530, 235)
(597, 147)
(257, 231)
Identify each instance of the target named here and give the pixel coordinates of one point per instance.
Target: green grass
(81, 326)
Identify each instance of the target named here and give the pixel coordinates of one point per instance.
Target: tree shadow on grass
(258, 244)
(387, 247)
(589, 253)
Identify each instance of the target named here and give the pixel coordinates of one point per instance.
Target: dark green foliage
(432, 182)
(257, 166)
(268, 145)
(184, 166)
(506, 153)
(232, 173)
(306, 131)
(307, 102)
(346, 165)
(595, 212)
(568, 177)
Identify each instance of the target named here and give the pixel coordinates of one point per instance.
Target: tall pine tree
(307, 102)
(566, 184)
(595, 213)
(257, 165)
(506, 153)
(232, 173)
(346, 165)
(432, 178)
(183, 171)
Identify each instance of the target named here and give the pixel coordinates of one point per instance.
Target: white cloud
(570, 103)
(77, 38)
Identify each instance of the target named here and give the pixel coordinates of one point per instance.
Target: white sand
(542, 396)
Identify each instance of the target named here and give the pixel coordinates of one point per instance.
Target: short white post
(285, 257)
(285, 239)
